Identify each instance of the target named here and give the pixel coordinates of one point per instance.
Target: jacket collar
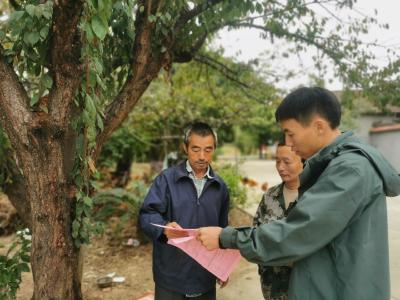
(180, 172)
(331, 150)
(335, 147)
(190, 170)
(316, 164)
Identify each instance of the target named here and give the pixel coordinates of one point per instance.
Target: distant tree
(71, 71)
(194, 92)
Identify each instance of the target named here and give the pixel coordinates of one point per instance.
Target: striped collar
(190, 170)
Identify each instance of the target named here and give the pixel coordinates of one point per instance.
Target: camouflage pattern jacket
(274, 280)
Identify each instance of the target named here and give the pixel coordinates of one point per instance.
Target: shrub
(237, 192)
(13, 264)
(121, 203)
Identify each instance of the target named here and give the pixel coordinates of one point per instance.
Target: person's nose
(288, 141)
(202, 155)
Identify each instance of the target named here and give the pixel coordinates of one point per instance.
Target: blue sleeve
(155, 208)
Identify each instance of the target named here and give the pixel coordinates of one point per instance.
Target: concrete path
(244, 282)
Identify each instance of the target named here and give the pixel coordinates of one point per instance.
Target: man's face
(200, 151)
(288, 164)
(303, 139)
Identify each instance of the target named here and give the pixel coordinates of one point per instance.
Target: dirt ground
(133, 263)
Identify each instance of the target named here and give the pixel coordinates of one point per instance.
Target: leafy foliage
(121, 203)
(28, 40)
(126, 142)
(193, 92)
(237, 192)
(13, 264)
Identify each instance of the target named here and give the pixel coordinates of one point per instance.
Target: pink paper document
(219, 262)
(189, 232)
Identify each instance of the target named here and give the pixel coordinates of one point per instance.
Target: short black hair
(201, 129)
(305, 102)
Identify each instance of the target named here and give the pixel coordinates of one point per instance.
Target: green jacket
(337, 233)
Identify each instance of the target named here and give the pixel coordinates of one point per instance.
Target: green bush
(13, 264)
(246, 141)
(237, 192)
(121, 203)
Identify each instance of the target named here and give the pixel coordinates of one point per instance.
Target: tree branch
(224, 70)
(228, 73)
(185, 55)
(295, 36)
(145, 67)
(65, 55)
(190, 14)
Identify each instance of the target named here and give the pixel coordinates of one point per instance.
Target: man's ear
(184, 147)
(320, 125)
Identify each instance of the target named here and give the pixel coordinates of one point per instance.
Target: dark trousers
(162, 293)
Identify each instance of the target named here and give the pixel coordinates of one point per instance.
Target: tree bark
(16, 192)
(54, 257)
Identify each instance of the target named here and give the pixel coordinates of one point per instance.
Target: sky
(245, 44)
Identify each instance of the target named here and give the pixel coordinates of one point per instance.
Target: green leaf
(31, 38)
(44, 109)
(34, 100)
(30, 9)
(25, 258)
(77, 243)
(44, 32)
(48, 10)
(100, 123)
(39, 11)
(100, 5)
(16, 15)
(100, 82)
(98, 65)
(99, 28)
(23, 267)
(259, 8)
(47, 81)
(152, 18)
(87, 210)
(92, 78)
(75, 228)
(90, 106)
(89, 32)
(79, 210)
(88, 201)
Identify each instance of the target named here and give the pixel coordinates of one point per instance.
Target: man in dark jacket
(189, 195)
(336, 236)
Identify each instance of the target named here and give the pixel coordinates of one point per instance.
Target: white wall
(388, 143)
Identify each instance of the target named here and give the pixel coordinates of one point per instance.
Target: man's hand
(209, 237)
(172, 234)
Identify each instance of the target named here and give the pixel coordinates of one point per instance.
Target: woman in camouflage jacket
(275, 204)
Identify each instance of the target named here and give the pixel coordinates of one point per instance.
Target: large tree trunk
(54, 257)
